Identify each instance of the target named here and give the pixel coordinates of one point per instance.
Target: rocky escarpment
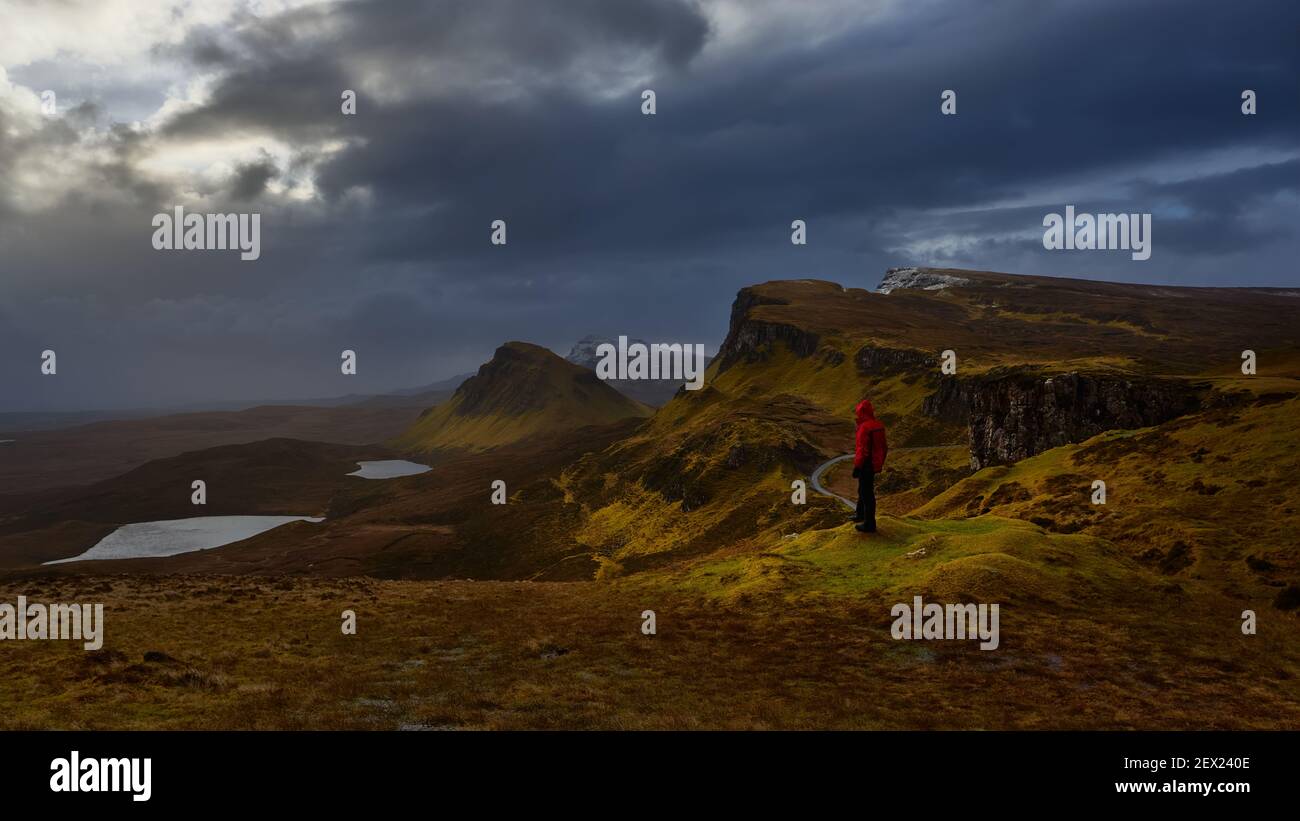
(886, 361)
(950, 402)
(1014, 414)
(750, 340)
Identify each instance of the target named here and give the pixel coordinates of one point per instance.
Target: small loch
(389, 469)
(148, 540)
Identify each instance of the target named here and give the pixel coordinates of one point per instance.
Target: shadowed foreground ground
(247, 653)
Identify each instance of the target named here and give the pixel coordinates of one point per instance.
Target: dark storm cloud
(531, 36)
(289, 70)
(250, 179)
(850, 128)
(1230, 212)
(529, 112)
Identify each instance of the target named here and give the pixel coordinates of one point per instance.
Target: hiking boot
(864, 528)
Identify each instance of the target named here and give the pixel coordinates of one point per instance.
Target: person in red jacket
(868, 460)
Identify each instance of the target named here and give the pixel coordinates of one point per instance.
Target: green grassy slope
(1209, 496)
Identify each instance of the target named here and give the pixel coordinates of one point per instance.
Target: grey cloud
(250, 179)
(473, 111)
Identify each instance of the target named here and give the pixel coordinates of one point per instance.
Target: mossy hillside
(715, 466)
(727, 453)
(712, 469)
(988, 558)
(444, 429)
(1210, 496)
(835, 389)
(822, 394)
(645, 503)
(640, 529)
(1068, 318)
(1074, 609)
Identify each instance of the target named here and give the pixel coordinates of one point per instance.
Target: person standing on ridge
(868, 460)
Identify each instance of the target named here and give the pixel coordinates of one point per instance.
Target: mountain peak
(522, 377)
(525, 349)
(524, 390)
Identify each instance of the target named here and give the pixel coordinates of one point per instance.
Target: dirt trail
(816, 479)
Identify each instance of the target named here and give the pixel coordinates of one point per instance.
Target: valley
(771, 614)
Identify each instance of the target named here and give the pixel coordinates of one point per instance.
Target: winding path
(816, 479)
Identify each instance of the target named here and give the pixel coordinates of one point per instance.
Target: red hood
(864, 411)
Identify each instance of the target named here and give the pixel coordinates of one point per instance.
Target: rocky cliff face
(750, 340)
(885, 361)
(950, 402)
(1012, 415)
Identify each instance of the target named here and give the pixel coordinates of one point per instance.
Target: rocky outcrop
(750, 340)
(833, 357)
(885, 361)
(897, 279)
(1012, 415)
(950, 402)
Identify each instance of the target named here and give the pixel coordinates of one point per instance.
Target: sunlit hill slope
(523, 391)
(715, 467)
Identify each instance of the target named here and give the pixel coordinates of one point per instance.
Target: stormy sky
(375, 227)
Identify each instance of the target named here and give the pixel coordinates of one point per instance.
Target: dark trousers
(866, 511)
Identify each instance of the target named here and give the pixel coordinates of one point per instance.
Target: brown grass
(247, 653)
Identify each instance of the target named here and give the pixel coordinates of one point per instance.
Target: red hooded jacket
(870, 438)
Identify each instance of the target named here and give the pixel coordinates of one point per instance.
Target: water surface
(389, 469)
(147, 540)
